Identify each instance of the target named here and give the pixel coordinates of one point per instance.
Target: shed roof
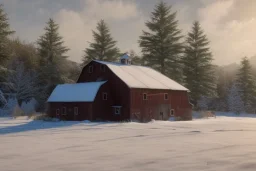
(142, 77)
(79, 92)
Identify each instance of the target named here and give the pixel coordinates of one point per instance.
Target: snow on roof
(142, 77)
(79, 92)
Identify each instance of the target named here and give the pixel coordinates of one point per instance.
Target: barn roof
(79, 92)
(142, 77)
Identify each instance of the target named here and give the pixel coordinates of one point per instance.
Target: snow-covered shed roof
(142, 77)
(79, 92)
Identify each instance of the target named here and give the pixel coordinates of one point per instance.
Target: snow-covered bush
(43, 117)
(8, 108)
(22, 83)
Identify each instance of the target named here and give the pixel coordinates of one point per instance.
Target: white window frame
(103, 95)
(75, 110)
(117, 110)
(64, 111)
(57, 111)
(166, 95)
(103, 68)
(144, 96)
(172, 112)
(90, 69)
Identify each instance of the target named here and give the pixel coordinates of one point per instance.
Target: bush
(17, 111)
(206, 114)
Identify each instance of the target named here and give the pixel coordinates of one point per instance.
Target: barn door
(76, 113)
(162, 116)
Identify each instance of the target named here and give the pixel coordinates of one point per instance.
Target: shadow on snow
(43, 125)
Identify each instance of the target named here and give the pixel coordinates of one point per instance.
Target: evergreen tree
(5, 31)
(197, 68)
(246, 83)
(136, 60)
(52, 55)
(235, 103)
(203, 103)
(161, 45)
(103, 48)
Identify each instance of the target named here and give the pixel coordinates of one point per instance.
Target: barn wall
(156, 107)
(84, 110)
(119, 93)
(180, 102)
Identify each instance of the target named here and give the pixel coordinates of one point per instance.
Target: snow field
(224, 143)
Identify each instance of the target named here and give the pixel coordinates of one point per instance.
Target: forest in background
(32, 70)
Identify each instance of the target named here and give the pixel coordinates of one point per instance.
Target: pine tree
(197, 68)
(246, 83)
(161, 45)
(5, 31)
(103, 48)
(136, 60)
(52, 54)
(203, 103)
(235, 103)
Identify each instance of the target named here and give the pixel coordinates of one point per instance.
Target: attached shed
(74, 101)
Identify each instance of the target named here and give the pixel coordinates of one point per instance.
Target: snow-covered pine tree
(104, 46)
(161, 45)
(3, 100)
(197, 67)
(203, 103)
(23, 83)
(5, 31)
(235, 102)
(246, 83)
(52, 53)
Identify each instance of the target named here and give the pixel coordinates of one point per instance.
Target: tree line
(33, 70)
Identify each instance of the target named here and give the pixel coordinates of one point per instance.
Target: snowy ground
(221, 144)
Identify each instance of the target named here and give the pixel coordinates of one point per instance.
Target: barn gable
(142, 77)
(79, 92)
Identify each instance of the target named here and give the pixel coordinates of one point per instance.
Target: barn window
(64, 111)
(166, 96)
(57, 111)
(145, 96)
(102, 68)
(90, 69)
(172, 112)
(105, 96)
(117, 111)
(76, 110)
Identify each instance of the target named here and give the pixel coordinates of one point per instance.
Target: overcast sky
(229, 24)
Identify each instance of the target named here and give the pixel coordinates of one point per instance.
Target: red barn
(120, 91)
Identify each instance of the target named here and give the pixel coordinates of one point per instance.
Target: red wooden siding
(156, 106)
(84, 110)
(118, 93)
